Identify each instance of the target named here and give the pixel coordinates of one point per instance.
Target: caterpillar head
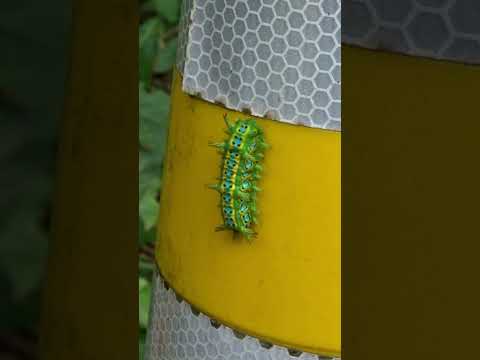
(247, 127)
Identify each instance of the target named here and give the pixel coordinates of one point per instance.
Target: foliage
(27, 157)
(153, 119)
(28, 126)
(157, 48)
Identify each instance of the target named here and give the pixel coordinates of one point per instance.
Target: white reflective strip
(177, 333)
(439, 29)
(276, 59)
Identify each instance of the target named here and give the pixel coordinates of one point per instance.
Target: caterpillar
(242, 155)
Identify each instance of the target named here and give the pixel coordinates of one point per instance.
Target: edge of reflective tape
(181, 332)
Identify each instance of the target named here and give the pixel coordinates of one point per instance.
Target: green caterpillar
(242, 155)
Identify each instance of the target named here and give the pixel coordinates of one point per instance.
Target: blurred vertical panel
(410, 207)
(91, 296)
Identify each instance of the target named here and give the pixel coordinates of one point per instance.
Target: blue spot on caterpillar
(242, 154)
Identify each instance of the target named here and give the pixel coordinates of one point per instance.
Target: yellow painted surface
(284, 286)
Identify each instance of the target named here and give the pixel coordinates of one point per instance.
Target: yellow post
(279, 296)
(284, 287)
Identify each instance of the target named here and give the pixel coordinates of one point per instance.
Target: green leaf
(149, 188)
(154, 112)
(168, 9)
(144, 293)
(149, 207)
(149, 34)
(141, 344)
(166, 57)
(146, 268)
(145, 237)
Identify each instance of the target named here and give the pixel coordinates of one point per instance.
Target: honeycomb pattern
(277, 59)
(440, 29)
(177, 332)
(184, 24)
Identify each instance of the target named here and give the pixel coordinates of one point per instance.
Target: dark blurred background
(34, 61)
(34, 42)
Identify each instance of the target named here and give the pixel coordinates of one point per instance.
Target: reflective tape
(275, 59)
(178, 332)
(439, 29)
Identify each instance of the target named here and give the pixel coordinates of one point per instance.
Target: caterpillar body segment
(242, 154)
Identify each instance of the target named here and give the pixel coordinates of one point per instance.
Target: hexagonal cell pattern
(184, 23)
(439, 29)
(262, 57)
(177, 332)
